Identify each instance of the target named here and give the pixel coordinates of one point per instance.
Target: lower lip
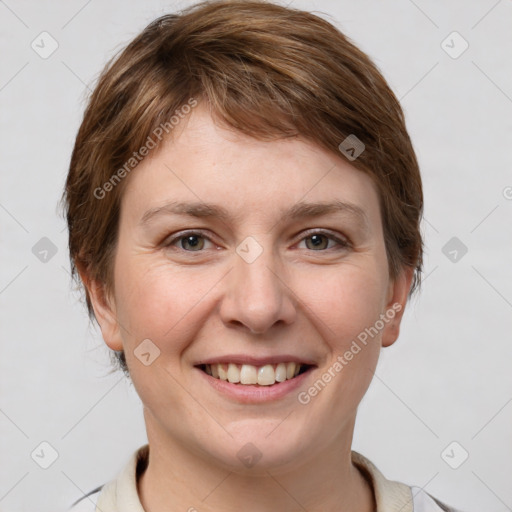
(253, 393)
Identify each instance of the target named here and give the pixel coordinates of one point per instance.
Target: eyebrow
(296, 212)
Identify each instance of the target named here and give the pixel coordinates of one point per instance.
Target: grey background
(447, 378)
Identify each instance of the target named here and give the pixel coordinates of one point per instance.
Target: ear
(395, 305)
(104, 311)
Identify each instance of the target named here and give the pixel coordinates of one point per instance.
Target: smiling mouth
(248, 374)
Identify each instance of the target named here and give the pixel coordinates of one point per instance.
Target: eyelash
(343, 244)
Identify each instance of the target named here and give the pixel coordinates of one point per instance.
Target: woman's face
(226, 256)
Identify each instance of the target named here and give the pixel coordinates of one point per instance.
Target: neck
(177, 479)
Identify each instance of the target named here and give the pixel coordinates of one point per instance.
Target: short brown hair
(266, 70)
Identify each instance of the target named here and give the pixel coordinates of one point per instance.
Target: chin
(257, 448)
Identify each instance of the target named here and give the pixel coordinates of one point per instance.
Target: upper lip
(255, 361)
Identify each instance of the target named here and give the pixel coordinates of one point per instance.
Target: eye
(315, 240)
(320, 241)
(194, 240)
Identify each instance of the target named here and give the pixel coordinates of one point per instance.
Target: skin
(295, 298)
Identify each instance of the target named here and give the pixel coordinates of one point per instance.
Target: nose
(257, 294)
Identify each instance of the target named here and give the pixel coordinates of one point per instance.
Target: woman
(243, 204)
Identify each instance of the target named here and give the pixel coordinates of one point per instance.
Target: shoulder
(120, 493)
(393, 495)
(86, 503)
(424, 502)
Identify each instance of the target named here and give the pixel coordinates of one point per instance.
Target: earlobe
(395, 307)
(104, 311)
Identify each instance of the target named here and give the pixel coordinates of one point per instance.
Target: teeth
(290, 370)
(223, 373)
(281, 372)
(266, 375)
(233, 373)
(247, 374)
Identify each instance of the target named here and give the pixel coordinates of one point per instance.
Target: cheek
(159, 302)
(162, 305)
(346, 302)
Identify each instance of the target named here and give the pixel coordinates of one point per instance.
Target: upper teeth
(248, 374)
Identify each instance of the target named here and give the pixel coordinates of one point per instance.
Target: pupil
(317, 240)
(192, 241)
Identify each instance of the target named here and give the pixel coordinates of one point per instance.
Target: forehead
(233, 175)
